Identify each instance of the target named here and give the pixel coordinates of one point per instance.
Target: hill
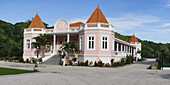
(11, 41)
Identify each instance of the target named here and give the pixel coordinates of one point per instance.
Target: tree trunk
(43, 51)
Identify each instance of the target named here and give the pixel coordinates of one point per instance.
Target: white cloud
(166, 25)
(131, 21)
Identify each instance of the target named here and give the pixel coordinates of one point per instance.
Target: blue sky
(147, 19)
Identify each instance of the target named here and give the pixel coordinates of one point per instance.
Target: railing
(34, 30)
(74, 29)
(97, 25)
(49, 30)
(120, 53)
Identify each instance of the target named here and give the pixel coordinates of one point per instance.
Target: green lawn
(9, 71)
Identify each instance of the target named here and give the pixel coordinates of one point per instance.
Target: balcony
(104, 26)
(34, 30)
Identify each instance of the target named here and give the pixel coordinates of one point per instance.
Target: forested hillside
(11, 41)
(150, 49)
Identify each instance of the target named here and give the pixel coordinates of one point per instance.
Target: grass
(10, 71)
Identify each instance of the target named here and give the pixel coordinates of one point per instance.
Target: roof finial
(98, 6)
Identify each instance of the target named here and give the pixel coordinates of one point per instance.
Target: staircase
(55, 60)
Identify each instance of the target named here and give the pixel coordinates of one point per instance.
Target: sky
(147, 19)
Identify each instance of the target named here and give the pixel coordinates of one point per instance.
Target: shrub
(107, 65)
(100, 63)
(95, 64)
(86, 63)
(129, 59)
(74, 59)
(40, 59)
(27, 60)
(91, 62)
(81, 64)
(33, 60)
(142, 59)
(122, 62)
(21, 59)
(113, 64)
(59, 51)
(70, 62)
(117, 64)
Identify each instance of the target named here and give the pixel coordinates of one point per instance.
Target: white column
(124, 48)
(121, 48)
(129, 49)
(68, 38)
(117, 46)
(54, 42)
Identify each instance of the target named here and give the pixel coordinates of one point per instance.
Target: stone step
(55, 60)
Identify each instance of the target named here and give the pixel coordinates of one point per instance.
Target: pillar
(54, 42)
(117, 47)
(68, 38)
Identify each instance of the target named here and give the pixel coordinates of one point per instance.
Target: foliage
(142, 59)
(100, 63)
(70, 62)
(40, 59)
(129, 59)
(81, 64)
(70, 47)
(122, 62)
(74, 59)
(40, 43)
(95, 63)
(86, 63)
(91, 62)
(27, 60)
(59, 51)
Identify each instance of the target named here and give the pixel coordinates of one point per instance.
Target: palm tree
(40, 43)
(70, 48)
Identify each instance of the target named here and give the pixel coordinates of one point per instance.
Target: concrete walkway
(134, 74)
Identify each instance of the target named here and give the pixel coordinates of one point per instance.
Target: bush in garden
(107, 65)
(95, 64)
(117, 64)
(70, 62)
(86, 63)
(21, 59)
(91, 62)
(122, 62)
(27, 60)
(33, 60)
(74, 59)
(100, 63)
(81, 64)
(40, 59)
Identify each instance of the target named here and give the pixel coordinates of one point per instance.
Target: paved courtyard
(134, 74)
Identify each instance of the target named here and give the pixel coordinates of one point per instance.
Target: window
(28, 44)
(105, 42)
(90, 43)
(81, 43)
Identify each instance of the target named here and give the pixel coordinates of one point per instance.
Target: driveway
(134, 74)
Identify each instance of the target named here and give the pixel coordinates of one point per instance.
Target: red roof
(97, 16)
(37, 23)
(77, 24)
(133, 39)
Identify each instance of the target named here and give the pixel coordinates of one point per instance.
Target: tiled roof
(133, 39)
(77, 24)
(37, 22)
(97, 16)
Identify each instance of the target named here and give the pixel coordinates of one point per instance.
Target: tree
(40, 43)
(70, 48)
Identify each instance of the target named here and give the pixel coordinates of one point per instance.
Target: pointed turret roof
(133, 39)
(37, 22)
(97, 16)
